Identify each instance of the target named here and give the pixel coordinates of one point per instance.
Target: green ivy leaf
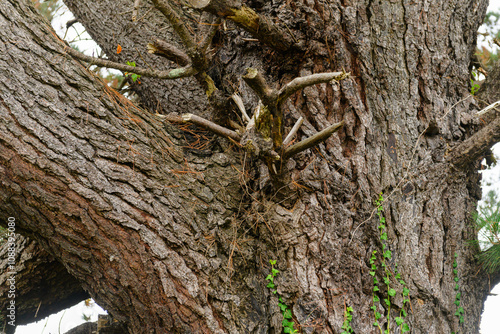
(375, 289)
(377, 315)
(287, 314)
(272, 262)
(391, 292)
(274, 271)
(406, 328)
(399, 321)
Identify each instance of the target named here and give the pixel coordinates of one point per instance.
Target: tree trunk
(171, 228)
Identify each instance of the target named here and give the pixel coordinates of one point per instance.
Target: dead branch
(476, 146)
(239, 102)
(293, 131)
(175, 73)
(169, 51)
(309, 80)
(258, 83)
(260, 26)
(204, 123)
(312, 141)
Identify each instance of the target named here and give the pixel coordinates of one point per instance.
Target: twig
(488, 108)
(312, 141)
(293, 131)
(239, 102)
(175, 73)
(309, 80)
(215, 128)
(135, 11)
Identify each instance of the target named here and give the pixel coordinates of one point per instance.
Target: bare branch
(294, 130)
(239, 102)
(476, 146)
(259, 26)
(309, 80)
(169, 51)
(488, 108)
(312, 141)
(175, 73)
(258, 84)
(177, 23)
(215, 128)
(135, 11)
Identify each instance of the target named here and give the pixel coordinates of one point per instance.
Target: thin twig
(175, 73)
(293, 131)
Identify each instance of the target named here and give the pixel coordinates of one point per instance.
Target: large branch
(42, 285)
(476, 146)
(260, 26)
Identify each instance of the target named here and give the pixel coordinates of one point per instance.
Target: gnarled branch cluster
(263, 134)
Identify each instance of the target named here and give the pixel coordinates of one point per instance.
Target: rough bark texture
(177, 240)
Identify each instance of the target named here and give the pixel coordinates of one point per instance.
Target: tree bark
(171, 229)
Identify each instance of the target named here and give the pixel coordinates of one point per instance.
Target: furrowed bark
(173, 238)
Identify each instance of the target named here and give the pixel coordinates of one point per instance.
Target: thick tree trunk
(173, 239)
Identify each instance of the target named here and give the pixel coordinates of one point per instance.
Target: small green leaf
(272, 262)
(406, 328)
(457, 286)
(270, 286)
(282, 306)
(387, 301)
(372, 273)
(274, 271)
(287, 314)
(377, 315)
(403, 313)
(406, 291)
(376, 299)
(373, 308)
(383, 236)
(456, 279)
(375, 324)
(455, 264)
(391, 292)
(399, 321)
(457, 297)
(269, 278)
(375, 289)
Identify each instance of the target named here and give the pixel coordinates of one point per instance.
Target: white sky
(65, 320)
